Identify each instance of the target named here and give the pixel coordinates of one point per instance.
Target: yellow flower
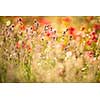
(8, 23)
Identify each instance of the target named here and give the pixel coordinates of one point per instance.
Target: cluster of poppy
(93, 38)
(30, 31)
(48, 31)
(40, 43)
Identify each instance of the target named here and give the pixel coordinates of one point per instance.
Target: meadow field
(49, 49)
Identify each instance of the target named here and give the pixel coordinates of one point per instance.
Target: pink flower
(23, 45)
(90, 53)
(17, 45)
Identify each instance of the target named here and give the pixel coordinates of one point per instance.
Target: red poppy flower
(89, 42)
(44, 21)
(94, 39)
(48, 34)
(96, 27)
(93, 33)
(22, 27)
(71, 30)
(67, 19)
(94, 36)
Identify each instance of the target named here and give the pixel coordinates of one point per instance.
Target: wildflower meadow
(49, 49)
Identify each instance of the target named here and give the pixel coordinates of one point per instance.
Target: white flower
(69, 54)
(94, 59)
